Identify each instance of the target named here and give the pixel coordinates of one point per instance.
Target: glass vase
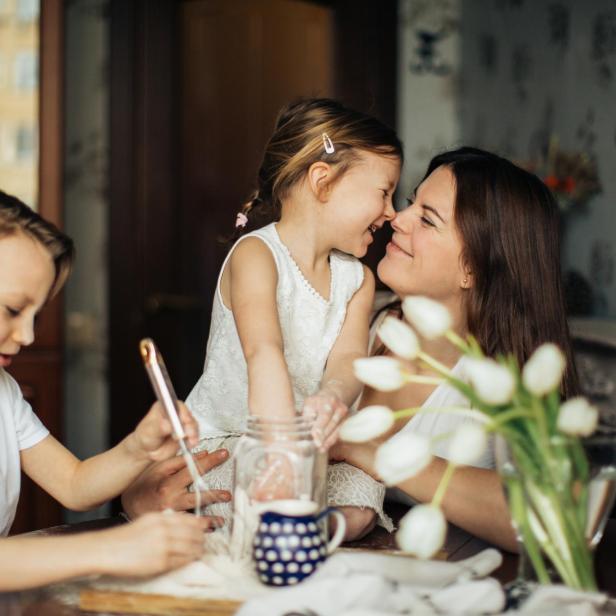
(559, 504)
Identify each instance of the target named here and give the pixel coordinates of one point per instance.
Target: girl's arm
(253, 280)
(474, 499)
(339, 387)
(82, 485)
(155, 543)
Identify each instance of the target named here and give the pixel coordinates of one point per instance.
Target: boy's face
(26, 276)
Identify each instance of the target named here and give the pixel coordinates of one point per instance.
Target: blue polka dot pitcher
(290, 543)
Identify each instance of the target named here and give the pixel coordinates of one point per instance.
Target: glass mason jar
(275, 460)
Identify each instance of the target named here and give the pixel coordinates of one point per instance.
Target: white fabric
(360, 583)
(20, 429)
(433, 423)
(309, 324)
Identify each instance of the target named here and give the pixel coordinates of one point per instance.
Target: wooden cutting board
(160, 605)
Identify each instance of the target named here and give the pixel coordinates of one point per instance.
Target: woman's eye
(426, 221)
(13, 312)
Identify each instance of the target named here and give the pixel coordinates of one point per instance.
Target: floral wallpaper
(535, 71)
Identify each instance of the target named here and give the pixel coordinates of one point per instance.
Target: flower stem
(443, 483)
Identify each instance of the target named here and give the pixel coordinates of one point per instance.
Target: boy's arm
(153, 544)
(253, 281)
(82, 485)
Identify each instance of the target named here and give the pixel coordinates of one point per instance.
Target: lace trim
(303, 278)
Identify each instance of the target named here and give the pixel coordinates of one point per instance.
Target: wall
(428, 119)
(532, 70)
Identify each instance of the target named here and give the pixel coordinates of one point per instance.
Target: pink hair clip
(327, 144)
(241, 220)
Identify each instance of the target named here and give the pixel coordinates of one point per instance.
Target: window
(27, 11)
(26, 71)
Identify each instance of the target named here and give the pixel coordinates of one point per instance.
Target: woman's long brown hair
(508, 221)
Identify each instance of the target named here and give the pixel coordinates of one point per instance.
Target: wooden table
(459, 545)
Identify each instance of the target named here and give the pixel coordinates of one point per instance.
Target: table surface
(459, 545)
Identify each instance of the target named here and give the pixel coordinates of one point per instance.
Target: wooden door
(195, 88)
(38, 369)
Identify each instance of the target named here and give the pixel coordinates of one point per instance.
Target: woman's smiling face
(424, 255)
(26, 278)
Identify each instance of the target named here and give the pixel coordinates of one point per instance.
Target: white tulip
(492, 382)
(430, 318)
(577, 417)
(422, 531)
(467, 444)
(399, 338)
(544, 370)
(382, 373)
(369, 423)
(401, 457)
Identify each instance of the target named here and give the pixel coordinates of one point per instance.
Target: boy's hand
(154, 437)
(328, 411)
(155, 543)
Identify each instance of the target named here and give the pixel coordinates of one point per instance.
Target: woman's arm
(82, 485)
(253, 280)
(155, 543)
(474, 499)
(339, 387)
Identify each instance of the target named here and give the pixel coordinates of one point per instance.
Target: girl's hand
(328, 411)
(155, 543)
(154, 434)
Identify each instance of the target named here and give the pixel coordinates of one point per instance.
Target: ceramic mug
(290, 544)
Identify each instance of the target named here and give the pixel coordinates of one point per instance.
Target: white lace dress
(310, 325)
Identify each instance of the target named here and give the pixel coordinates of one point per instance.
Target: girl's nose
(390, 212)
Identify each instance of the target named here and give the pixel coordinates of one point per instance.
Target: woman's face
(26, 277)
(423, 257)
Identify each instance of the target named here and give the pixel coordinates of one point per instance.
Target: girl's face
(424, 255)
(26, 277)
(361, 201)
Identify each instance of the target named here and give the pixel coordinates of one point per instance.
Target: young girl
(35, 260)
(292, 302)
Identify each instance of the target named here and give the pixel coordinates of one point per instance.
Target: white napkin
(562, 600)
(360, 583)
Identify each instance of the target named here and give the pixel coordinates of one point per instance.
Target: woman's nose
(402, 221)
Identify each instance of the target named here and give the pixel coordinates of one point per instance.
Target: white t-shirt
(20, 429)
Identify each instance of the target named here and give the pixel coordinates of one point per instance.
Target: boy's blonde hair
(16, 217)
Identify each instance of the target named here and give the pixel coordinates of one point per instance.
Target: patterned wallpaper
(536, 69)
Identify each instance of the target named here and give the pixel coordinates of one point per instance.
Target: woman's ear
(467, 281)
(319, 176)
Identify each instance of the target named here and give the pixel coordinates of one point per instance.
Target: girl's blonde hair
(16, 217)
(302, 130)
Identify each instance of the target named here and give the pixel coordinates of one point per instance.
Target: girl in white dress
(35, 260)
(292, 303)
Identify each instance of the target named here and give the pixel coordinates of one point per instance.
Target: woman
(480, 236)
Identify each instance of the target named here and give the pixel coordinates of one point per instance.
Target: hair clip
(241, 220)
(327, 144)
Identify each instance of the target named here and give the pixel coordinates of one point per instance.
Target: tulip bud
(399, 338)
(422, 531)
(403, 456)
(382, 373)
(544, 370)
(492, 382)
(430, 318)
(467, 444)
(577, 417)
(369, 423)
